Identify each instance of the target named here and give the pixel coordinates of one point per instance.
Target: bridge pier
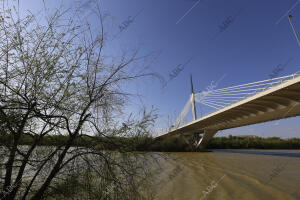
(207, 136)
(191, 140)
(196, 141)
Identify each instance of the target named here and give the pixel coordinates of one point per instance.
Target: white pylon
(294, 31)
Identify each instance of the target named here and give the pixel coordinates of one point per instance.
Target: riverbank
(147, 143)
(231, 142)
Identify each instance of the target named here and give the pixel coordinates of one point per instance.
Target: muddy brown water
(229, 175)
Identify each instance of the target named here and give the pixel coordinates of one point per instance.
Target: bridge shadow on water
(259, 152)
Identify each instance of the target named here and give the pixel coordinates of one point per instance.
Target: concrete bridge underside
(278, 102)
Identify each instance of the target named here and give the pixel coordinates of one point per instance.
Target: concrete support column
(196, 141)
(208, 134)
(191, 140)
(193, 106)
(193, 100)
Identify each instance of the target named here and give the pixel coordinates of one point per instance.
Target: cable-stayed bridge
(238, 106)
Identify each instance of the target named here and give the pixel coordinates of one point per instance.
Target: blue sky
(248, 50)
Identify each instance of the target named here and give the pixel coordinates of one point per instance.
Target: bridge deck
(278, 102)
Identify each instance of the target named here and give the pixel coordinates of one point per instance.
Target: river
(223, 175)
(229, 175)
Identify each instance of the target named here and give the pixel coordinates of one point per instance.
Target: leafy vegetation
(60, 90)
(148, 143)
(234, 142)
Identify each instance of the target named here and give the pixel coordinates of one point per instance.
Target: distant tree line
(148, 143)
(234, 142)
(138, 143)
(231, 142)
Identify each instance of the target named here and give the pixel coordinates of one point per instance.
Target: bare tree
(56, 79)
